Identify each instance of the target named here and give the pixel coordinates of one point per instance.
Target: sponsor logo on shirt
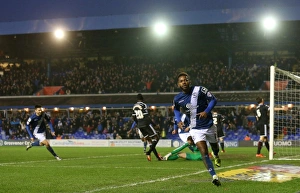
(190, 107)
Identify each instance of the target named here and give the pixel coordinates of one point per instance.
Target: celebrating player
(37, 123)
(198, 102)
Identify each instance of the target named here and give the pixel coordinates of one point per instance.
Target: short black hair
(182, 74)
(259, 100)
(140, 97)
(37, 106)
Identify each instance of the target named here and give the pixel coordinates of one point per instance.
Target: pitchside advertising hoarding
(281, 143)
(137, 143)
(14, 142)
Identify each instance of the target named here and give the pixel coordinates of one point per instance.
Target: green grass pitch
(110, 170)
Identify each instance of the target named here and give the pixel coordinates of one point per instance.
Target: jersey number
(139, 114)
(215, 119)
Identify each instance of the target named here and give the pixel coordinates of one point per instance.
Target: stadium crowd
(115, 124)
(132, 76)
(126, 76)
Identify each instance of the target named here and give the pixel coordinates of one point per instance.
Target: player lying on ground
(176, 153)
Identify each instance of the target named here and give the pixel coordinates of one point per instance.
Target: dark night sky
(36, 16)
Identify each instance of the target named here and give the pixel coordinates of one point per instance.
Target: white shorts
(184, 136)
(40, 136)
(209, 134)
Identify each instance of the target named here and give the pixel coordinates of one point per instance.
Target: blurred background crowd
(133, 75)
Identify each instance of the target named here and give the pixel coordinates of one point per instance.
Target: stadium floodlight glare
(160, 28)
(269, 23)
(59, 34)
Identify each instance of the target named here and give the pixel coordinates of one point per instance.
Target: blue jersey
(198, 99)
(34, 120)
(183, 118)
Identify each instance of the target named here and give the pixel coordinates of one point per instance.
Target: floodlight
(59, 34)
(160, 28)
(269, 23)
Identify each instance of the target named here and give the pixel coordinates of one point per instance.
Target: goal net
(284, 114)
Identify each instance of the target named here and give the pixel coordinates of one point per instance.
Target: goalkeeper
(176, 153)
(185, 137)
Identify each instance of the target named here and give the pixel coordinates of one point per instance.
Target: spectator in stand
(58, 137)
(68, 92)
(247, 138)
(99, 127)
(148, 85)
(118, 136)
(88, 129)
(89, 79)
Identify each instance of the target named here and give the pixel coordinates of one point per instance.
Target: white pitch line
(169, 178)
(132, 184)
(99, 166)
(54, 160)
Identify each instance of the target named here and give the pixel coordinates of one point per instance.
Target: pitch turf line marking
(105, 167)
(54, 160)
(170, 178)
(20, 164)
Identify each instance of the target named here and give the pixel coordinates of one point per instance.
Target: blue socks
(210, 166)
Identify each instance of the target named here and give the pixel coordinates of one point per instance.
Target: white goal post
(284, 124)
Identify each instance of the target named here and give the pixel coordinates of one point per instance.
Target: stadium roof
(36, 16)
(111, 27)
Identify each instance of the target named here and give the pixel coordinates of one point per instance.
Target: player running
(146, 126)
(198, 102)
(36, 122)
(140, 135)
